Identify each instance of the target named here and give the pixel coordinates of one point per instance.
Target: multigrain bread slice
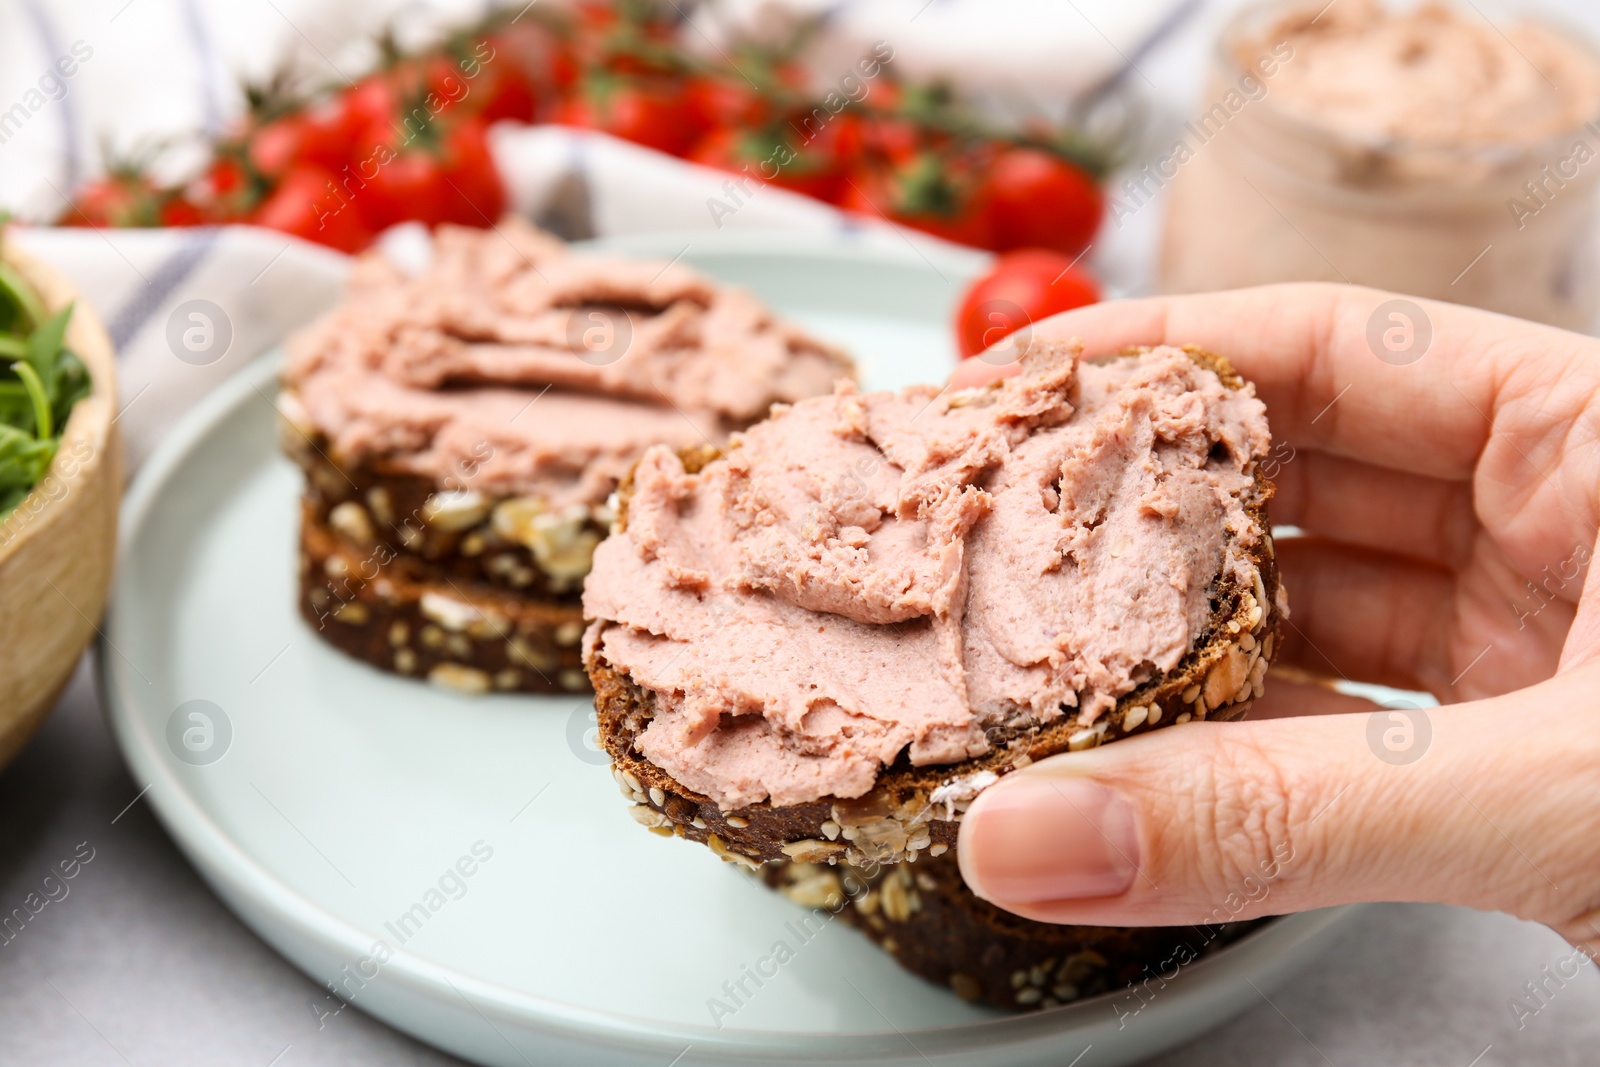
(935, 927)
(912, 810)
(461, 423)
(503, 542)
(397, 614)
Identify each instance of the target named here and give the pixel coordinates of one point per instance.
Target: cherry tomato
(372, 101)
(540, 58)
(226, 191)
(724, 102)
(178, 210)
(318, 134)
(593, 17)
(470, 189)
(761, 155)
(830, 188)
(883, 93)
(308, 205)
(398, 182)
(1039, 200)
(821, 154)
(443, 76)
(624, 38)
(929, 194)
(276, 146)
(225, 177)
(505, 92)
(733, 150)
(117, 199)
(1020, 289)
(564, 72)
(649, 111)
(891, 139)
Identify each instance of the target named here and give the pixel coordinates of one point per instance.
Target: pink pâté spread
(512, 366)
(870, 573)
(1434, 73)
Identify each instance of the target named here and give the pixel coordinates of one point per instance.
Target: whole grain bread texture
(924, 916)
(913, 811)
(403, 614)
(473, 583)
(471, 538)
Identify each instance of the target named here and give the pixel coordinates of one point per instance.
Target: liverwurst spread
(869, 574)
(1418, 148)
(1435, 73)
(511, 366)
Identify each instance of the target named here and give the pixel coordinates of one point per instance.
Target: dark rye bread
(911, 809)
(376, 542)
(397, 613)
(368, 504)
(924, 915)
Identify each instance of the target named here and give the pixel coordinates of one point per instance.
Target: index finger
(1410, 384)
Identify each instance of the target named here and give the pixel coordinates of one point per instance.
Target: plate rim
(270, 907)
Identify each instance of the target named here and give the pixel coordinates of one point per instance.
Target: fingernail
(1038, 838)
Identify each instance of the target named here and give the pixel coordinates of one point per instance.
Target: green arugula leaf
(43, 420)
(24, 459)
(40, 381)
(44, 345)
(20, 310)
(72, 384)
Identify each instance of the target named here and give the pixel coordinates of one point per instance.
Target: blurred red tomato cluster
(409, 141)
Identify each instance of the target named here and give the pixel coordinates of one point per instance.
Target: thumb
(1583, 638)
(1489, 805)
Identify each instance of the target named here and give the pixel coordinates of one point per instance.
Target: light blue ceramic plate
(463, 868)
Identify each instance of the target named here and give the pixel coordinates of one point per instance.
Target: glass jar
(1266, 195)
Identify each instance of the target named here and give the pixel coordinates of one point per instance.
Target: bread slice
(502, 542)
(935, 927)
(407, 615)
(449, 521)
(916, 810)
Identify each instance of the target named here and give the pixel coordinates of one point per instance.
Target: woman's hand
(1449, 492)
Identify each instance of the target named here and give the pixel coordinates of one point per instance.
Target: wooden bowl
(57, 547)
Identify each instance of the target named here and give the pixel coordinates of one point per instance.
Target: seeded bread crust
(935, 927)
(471, 592)
(472, 538)
(912, 810)
(401, 615)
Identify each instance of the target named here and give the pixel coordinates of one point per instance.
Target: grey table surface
(139, 964)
